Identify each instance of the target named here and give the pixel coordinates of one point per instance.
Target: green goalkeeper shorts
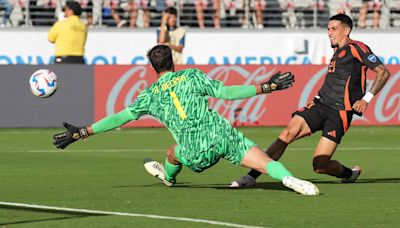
(232, 146)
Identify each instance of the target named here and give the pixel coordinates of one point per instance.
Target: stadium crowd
(205, 13)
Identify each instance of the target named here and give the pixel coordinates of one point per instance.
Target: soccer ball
(43, 83)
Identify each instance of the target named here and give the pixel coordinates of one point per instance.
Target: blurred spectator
(87, 7)
(144, 6)
(370, 5)
(201, 6)
(235, 9)
(246, 9)
(43, 12)
(69, 36)
(259, 7)
(304, 13)
(172, 35)
(161, 5)
(289, 18)
(113, 7)
(131, 7)
(6, 5)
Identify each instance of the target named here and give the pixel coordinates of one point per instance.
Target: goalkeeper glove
(278, 82)
(63, 139)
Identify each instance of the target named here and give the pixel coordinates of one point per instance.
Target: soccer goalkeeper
(180, 101)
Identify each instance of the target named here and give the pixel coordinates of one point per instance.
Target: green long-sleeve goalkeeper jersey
(180, 101)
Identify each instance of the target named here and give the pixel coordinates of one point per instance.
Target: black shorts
(69, 60)
(333, 123)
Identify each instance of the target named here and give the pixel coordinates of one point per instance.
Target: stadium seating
(234, 13)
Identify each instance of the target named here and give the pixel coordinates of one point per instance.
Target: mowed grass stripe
(98, 212)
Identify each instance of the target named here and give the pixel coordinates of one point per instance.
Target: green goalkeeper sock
(171, 170)
(277, 171)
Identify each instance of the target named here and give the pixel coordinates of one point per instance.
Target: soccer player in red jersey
(342, 95)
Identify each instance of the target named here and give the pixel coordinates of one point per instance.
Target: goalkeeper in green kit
(180, 101)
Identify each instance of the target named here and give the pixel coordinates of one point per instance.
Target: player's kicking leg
(256, 159)
(323, 163)
(166, 174)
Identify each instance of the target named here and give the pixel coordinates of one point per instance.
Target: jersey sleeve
(140, 106)
(52, 35)
(364, 54)
(112, 121)
(207, 85)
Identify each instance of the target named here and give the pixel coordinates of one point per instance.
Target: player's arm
(52, 35)
(382, 75)
(110, 122)
(276, 82)
(163, 32)
(178, 48)
(369, 59)
(132, 112)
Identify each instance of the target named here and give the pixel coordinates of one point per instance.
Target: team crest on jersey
(372, 58)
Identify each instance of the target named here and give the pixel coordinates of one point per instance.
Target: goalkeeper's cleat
(156, 169)
(243, 182)
(354, 176)
(301, 186)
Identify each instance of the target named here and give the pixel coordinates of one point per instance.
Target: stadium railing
(304, 13)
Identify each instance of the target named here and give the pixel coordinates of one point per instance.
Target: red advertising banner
(115, 87)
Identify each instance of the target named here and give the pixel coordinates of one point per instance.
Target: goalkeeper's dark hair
(160, 57)
(344, 19)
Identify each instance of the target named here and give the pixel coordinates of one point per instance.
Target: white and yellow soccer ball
(43, 83)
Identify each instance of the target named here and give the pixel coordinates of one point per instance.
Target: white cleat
(301, 186)
(243, 182)
(156, 169)
(356, 173)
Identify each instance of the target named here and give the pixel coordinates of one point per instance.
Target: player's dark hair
(75, 7)
(171, 10)
(160, 57)
(344, 19)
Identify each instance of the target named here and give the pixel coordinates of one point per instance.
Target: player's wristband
(83, 132)
(368, 97)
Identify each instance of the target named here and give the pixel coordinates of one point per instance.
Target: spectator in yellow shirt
(69, 36)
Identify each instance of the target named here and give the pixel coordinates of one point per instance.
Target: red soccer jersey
(345, 81)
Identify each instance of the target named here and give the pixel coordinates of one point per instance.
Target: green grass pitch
(106, 173)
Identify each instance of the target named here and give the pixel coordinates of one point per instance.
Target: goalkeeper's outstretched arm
(276, 82)
(72, 133)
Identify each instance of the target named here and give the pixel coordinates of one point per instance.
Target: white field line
(158, 150)
(96, 212)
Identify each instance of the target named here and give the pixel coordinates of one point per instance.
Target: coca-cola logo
(387, 105)
(263, 110)
(311, 89)
(134, 90)
(252, 109)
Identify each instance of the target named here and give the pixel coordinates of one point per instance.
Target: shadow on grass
(359, 181)
(223, 186)
(262, 185)
(67, 215)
